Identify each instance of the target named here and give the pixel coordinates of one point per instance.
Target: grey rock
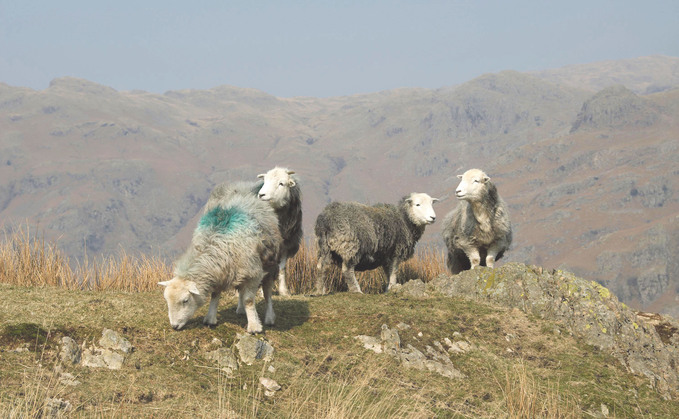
(391, 341)
(269, 384)
(413, 288)
(56, 408)
(251, 349)
(70, 351)
(587, 309)
(68, 379)
(225, 358)
(436, 360)
(113, 340)
(102, 358)
(370, 343)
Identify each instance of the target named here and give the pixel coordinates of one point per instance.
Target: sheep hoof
(240, 310)
(283, 293)
(209, 322)
(255, 329)
(270, 321)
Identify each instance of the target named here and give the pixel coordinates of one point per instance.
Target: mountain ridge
(100, 170)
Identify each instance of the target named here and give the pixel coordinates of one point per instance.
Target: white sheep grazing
(360, 237)
(281, 190)
(477, 232)
(236, 245)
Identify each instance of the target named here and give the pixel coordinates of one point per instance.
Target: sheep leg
(320, 279)
(211, 316)
(350, 278)
(493, 250)
(248, 291)
(282, 286)
(267, 289)
(241, 308)
(474, 257)
(390, 270)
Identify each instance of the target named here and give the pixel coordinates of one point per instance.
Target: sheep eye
(185, 300)
(280, 184)
(417, 205)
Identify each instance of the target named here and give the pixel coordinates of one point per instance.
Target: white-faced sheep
(235, 245)
(478, 231)
(360, 237)
(281, 190)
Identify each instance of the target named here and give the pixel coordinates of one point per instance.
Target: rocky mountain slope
(585, 156)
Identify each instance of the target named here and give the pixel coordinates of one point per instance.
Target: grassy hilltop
(514, 364)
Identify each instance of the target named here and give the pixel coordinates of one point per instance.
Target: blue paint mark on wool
(224, 220)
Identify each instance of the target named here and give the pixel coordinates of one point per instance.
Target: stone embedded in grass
(113, 340)
(55, 407)
(251, 349)
(102, 358)
(436, 360)
(225, 359)
(70, 351)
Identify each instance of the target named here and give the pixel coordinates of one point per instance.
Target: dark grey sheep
(478, 231)
(360, 237)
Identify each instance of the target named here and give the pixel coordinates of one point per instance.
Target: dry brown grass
(27, 260)
(527, 397)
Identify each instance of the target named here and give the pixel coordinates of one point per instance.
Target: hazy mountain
(583, 156)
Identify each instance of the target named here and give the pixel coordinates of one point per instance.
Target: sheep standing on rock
(360, 237)
(477, 232)
(281, 190)
(236, 245)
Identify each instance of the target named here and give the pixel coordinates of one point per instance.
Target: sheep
(281, 189)
(360, 237)
(235, 245)
(477, 232)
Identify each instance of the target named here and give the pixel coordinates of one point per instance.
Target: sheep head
(276, 187)
(472, 187)
(183, 299)
(420, 208)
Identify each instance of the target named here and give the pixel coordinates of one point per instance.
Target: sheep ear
(291, 172)
(434, 200)
(291, 183)
(486, 179)
(260, 176)
(459, 176)
(193, 289)
(409, 200)
(164, 283)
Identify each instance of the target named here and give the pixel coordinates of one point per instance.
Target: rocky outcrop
(435, 359)
(586, 308)
(614, 107)
(109, 354)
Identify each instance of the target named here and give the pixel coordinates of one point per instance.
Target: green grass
(324, 372)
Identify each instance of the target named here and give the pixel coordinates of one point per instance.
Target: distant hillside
(642, 75)
(588, 168)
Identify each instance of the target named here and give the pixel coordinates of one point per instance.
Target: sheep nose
(433, 218)
(261, 195)
(175, 326)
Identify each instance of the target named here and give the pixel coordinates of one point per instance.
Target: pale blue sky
(318, 48)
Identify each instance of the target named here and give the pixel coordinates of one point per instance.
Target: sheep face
(421, 210)
(472, 186)
(183, 298)
(276, 187)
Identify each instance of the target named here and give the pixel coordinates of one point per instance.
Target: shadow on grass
(290, 313)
